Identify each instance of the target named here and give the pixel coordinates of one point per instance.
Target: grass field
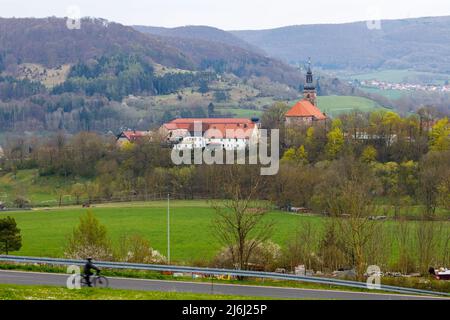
(241, 113)
(401, 76)
(16, 292)
(336, 105)
(45, 231)
(390, 94)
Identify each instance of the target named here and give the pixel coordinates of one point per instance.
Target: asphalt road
(33, 278)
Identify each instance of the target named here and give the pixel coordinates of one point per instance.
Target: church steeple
(309, 76)
(309, 92)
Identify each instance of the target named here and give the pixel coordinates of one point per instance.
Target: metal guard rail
(214, 271)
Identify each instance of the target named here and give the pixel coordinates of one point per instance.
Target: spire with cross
(309, 92)
(309, 75)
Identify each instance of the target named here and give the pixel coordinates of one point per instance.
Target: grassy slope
(335, 105)
(39, 190)
(45, 231)
(390, 94)
(15, 292)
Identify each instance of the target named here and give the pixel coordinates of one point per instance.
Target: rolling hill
(214, 48)
(201, 33)
(50, 43)
(420, 44)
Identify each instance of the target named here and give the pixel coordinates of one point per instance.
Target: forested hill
(213, 48)
(50, 43)
(201, 33)
(420, 44)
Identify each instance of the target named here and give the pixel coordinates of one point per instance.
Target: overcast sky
(229, 14)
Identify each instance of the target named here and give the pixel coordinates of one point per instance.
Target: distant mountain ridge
(201, 33)
(420, 43)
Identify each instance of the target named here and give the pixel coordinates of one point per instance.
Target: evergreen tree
(203, 87)
(211, 110)
(10, 238)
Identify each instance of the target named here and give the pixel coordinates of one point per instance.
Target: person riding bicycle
(88, 267)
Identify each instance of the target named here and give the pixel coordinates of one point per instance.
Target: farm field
(241, 113)
(400, 76)
(336, 105)
(390, 94)
(45, 231)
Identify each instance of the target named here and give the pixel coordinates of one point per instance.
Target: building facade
(227, 133)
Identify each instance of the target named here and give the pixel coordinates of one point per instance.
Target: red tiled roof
(170, 126)
(212, 120)
(240, 127)
(304, 108)
(133, 135)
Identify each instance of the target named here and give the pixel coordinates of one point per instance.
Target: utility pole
(168, 228)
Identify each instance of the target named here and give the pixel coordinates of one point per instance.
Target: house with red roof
(132, 136)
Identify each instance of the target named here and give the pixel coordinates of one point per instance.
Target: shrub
(265, 256)
(136, 249)
(89, 239)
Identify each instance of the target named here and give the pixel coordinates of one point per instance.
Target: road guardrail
(215, 271)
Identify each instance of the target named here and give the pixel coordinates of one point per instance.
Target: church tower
(309, 92)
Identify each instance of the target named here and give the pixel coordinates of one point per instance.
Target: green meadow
(401, 76)
(390, 93)
(45, 231)
(336, 105)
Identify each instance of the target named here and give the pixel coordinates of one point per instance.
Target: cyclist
(88, 267)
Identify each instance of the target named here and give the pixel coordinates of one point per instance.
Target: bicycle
(97, 281)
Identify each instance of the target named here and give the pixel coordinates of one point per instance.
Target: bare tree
(356, 226)
(403, 238)
(428, 234)
(240, 223)
(302, 247)
(349, 193)
(332, 252)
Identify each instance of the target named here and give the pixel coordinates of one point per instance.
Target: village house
(130, 136)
